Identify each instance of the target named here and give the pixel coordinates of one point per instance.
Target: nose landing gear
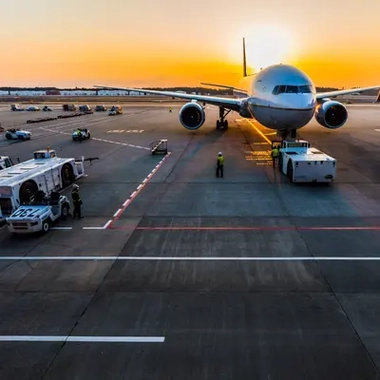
(286, 132)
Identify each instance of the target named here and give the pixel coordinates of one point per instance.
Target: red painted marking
(136, 192)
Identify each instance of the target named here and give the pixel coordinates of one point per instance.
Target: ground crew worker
(275, 155)
(220, 165)
(170, 109)
(79, 132)
(77, 201)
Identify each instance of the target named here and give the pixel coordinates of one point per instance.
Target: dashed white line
(92, 228)
(61, 228)
(139, 188)
(85, 339)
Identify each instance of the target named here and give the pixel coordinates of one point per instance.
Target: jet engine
(192, 116)
(331, 114)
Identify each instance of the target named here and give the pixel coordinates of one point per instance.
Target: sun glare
(267, 45)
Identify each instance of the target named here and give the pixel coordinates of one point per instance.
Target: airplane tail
(244, 60)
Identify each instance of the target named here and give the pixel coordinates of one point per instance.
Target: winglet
(244, 60)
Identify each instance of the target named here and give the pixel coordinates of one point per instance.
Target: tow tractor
(302, 163)
(40, 214)
(84, 132)
(159, 147)
(115, 110)
(17, 134)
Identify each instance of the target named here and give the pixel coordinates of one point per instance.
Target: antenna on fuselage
(244, 60)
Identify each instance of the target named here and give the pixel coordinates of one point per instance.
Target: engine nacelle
(331, 114)
(192, 116)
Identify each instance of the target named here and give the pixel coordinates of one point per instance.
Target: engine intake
(192, 116)
(331, 114)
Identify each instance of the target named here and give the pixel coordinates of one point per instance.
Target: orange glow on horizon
(129, 43)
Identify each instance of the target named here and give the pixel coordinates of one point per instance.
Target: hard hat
(220, 153)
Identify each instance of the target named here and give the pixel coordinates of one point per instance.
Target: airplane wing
(229, 103)
(223, 86)
(322, 95)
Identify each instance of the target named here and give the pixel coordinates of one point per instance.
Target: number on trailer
(25, 213)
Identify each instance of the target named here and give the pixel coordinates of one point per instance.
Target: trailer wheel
(65, 212)
(46, 225)
(8, 136)
(290, 171)
(27, 189)
(67, 175)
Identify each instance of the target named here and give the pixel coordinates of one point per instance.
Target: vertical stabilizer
(244, 60)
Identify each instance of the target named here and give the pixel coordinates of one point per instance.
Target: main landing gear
(222, 123)
(286, 132)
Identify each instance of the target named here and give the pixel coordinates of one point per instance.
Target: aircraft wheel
(46, 225)
(217, 124)
(290, 171)
(65, 210)
(226, 124)
(280, 162)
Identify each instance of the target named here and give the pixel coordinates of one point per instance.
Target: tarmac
(176, 274)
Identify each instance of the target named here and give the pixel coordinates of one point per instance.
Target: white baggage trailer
(302, 163)
(45, 172)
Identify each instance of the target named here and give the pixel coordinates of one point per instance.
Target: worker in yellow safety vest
(220, 165)
(275, 155)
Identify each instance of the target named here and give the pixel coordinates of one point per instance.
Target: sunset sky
(67, 43)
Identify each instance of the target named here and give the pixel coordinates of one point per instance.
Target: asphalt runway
(175, 274)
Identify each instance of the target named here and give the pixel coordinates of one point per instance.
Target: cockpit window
(305, 89)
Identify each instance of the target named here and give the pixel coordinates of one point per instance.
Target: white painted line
(126, 202)
(61, 228)
(377, 130)
(145, 180)
(107, 224)
(92, 228)
(139, 187)
(181, 258)
(117, 212)
(87, 339)
(133, 194)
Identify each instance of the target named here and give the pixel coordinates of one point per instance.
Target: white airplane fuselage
(289, 107)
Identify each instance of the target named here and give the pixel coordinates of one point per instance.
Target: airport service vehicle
(39, 215)
(69, 107)
(302, 163)
(85, 133)
(115, 110)
(17, 134)
(100, 108)
(85, 108)
(159, 147)
(46, 109)
(45, 172)
(5, 162)
(16, 107)
(280, 97)
(33, 109)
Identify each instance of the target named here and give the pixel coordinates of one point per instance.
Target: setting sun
(267, 45)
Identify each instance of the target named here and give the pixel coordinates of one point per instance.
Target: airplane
(280, 97)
